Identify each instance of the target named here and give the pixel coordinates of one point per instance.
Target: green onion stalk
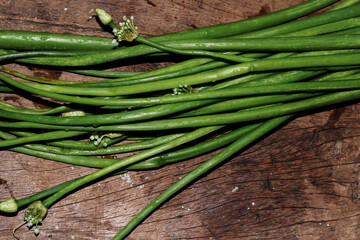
(240, 81)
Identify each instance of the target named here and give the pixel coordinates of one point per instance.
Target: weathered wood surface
(301, 182)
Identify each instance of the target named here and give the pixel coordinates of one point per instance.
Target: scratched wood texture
(300, 182)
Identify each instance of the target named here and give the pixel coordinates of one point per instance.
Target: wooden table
(300, 182)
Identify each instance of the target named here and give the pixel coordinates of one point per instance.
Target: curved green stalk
(151, 163)
(244, 103)
(330, 27)
(37, 111)
(214, 119)
(125, 116)
(344, 99)
(201, 170)
(46, 41)
(33, 78)
(105, 74)
(343, 4)
(128, 161)
(219, 94)
(195, 52)
(24, 202)
(187, 67)
(195, 150)
(141, 49)
(4, 89)
(308, 22)
(128, 32)
(253, 44)
(38, 41)
(199, 78)
(123, 148)
(74, 144)
(242, 116)
(40, 137)
(172, 74)
(333, 27)
(322, 29)
(96, 120)
(248, 102)
(154, 162)
(93, 162)
(327, 28)
(30, 54)
(245, 91)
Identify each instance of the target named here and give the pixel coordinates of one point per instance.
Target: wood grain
(300, 182)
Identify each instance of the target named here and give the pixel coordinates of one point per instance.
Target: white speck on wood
(338, 147)
(126, 178)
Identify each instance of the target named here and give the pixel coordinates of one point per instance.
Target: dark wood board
(300, 182)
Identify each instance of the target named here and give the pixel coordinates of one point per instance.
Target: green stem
(201, 170)
(40, 137)
(248, 102)
(322, 29)
(4, 89)
(265, 44)
(37, 41)
(24, 202)
(251, 24)
(195, 150)
(30, 54)
(37, 111)
(155, 162)
(128, 161)
(73, 144)
(123, 148)
(242, 116)
(142, 49)
(216, 119)
(220, 94)
(33, 78)
(151, 163)
(245, 103)
(96, 120)
(199, 78)
(85, 161)
(245, 91)
(308, 22)
(327, 28)
(195, 52)
(343, 4)
(46, 41)
(105, 74)
(172, 73)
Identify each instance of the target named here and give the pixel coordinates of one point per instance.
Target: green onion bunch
(231, 84)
